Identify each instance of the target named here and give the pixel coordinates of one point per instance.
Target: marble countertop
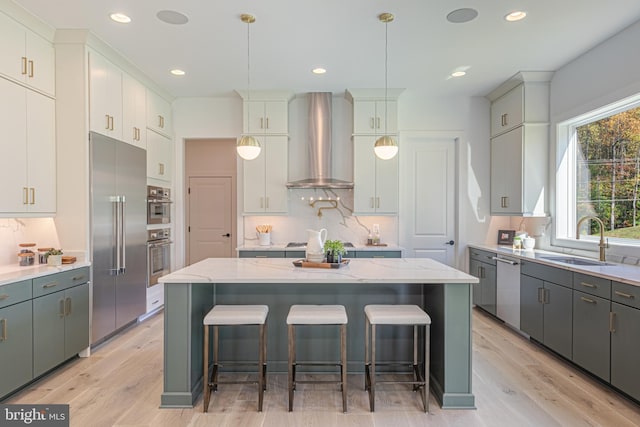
(283, 247)
(624, 273)
(281, 270)
(16, 273)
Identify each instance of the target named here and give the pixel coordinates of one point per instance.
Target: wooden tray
(307, 264)
(377, 244)
(68, 259)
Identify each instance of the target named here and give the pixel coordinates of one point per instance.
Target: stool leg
(261, 368)
(264, 358)
(205, 380)
(416, 372)
(425, 389)
(216, 341)
(366, 353)
(343, 358)
(292, 352)
(372, 375)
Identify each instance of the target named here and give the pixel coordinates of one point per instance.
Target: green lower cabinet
(377, 254)
(591, 337)
(60, 327)
(484, 293)
(625, 347)
(558, 318)
(16, 353)
(531, 308)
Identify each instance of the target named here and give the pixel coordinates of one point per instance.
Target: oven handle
(159, 201)
(159, 244)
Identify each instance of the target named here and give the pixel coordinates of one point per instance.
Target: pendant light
(385, 147)
(248, 147)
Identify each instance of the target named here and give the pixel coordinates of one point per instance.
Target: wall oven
(159, 253)
(158, 205)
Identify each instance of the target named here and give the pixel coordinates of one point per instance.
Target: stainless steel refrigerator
(118, 234)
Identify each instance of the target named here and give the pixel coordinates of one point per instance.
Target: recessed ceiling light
(172, 17)
(516, 16)
(458, 73)
(318, 70)
(460, 16)
(120, 17)
(178, 72)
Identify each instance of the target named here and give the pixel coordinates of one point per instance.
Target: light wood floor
(516, 383)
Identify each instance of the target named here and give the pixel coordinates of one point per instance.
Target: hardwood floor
(516, 383)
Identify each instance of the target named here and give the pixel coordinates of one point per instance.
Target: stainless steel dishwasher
(508, 289)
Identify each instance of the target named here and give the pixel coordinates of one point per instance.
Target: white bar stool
(396, 315)
(233, 315)
(317, 315)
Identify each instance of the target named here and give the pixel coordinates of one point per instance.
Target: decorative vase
(334, 258)
(54, 260)
(315, 245)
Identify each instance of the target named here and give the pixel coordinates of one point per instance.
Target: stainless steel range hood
(320, 146)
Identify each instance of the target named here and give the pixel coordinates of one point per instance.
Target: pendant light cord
(386, 61)
(248, 71)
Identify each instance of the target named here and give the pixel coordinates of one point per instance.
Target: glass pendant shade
(385, 147)
(248, 147)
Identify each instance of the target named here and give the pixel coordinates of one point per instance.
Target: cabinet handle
(4, 329)
(31, 69)
(589, 300)
(378, 122)
(161, 168)
(3, 297)
(372, 123)
(24, 65)
(160, 121)
(33, 195)
(504, 202)
(155, 302)
(622, 294)
(50, 285)
(482, 273)
(76, 278)
(371, 203)
(266, 202)
(25, 196)
(61, 307)
(267, 121)
(504, 121)
(261, 122)
(588, 285)
(377, 202)
(612, 322)
(67, 306)
(111, 122)
(261, 202)
(106, 126)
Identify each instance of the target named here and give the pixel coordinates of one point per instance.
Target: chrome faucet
(602, 243)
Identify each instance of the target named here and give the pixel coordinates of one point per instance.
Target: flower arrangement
(334, 250)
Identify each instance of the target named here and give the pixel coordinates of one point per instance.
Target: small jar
(42, 255)
(26, 259)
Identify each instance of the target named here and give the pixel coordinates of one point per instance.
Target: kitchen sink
(574, 260)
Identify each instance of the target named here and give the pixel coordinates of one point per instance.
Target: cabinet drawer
(14, 293)
(625, 294)
(59, 281)
(592, 285)
(546, 273)
(376, 254)
(482, 256)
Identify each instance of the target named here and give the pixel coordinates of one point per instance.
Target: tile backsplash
(339, 221)
(13, 231)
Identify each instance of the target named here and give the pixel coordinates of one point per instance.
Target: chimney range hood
(320, 146)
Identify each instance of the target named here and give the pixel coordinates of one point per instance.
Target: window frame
(563, 198)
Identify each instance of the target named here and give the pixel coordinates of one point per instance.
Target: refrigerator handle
(123, 235)
(118, 234)
(115, 249)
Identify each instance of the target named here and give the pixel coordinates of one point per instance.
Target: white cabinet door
(265, 177)
(370, 117)
(159, 156)
(507, 112)
(159, 114)
(105, 97)
(25, 56)
(266, 117)
(134, 115)
(375, 181)
(506, 172)
(41, 153)
(13, 164)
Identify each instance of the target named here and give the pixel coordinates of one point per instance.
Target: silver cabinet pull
(76, 278)
(261, 122)
(612, 318)
(540, 295)
(372, 123)
(106, 126)
(62, 308)
(4, 329)
(377, 202)
(155, 302)
(31, 69)
(3, 297)
(67, 306)
(33, 195)
(504, 260)
(371, 203)
(25, 196)
(267, 202)
(377, 122)
(267, 121)
(50, 285)
(24, 65)
(589, 300)
(588, 285)
(261, 202)
(622, 294)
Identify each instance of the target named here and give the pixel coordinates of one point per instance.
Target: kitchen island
(444, 292)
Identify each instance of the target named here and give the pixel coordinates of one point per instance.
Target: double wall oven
(158, 239)
(158, 205)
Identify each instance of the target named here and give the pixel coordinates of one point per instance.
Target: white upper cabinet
(134, 112)
(159, 114)
(265, 177)
(28, 170)
(26, 57)
(375, 189)
(520, 145)
(105, 96)
(159, 156)
(370, 117)
(267, 117)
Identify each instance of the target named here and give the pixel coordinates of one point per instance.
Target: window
(598, 175)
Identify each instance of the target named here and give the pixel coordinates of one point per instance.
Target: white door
(210, 222)
(427, 194)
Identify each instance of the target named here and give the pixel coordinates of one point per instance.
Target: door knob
(450, 242)
(226, 235)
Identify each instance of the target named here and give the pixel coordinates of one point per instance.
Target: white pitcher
(315, 245)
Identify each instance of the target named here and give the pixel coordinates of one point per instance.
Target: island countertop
(279, 270)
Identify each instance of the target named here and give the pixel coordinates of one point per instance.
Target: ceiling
(291, 37)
